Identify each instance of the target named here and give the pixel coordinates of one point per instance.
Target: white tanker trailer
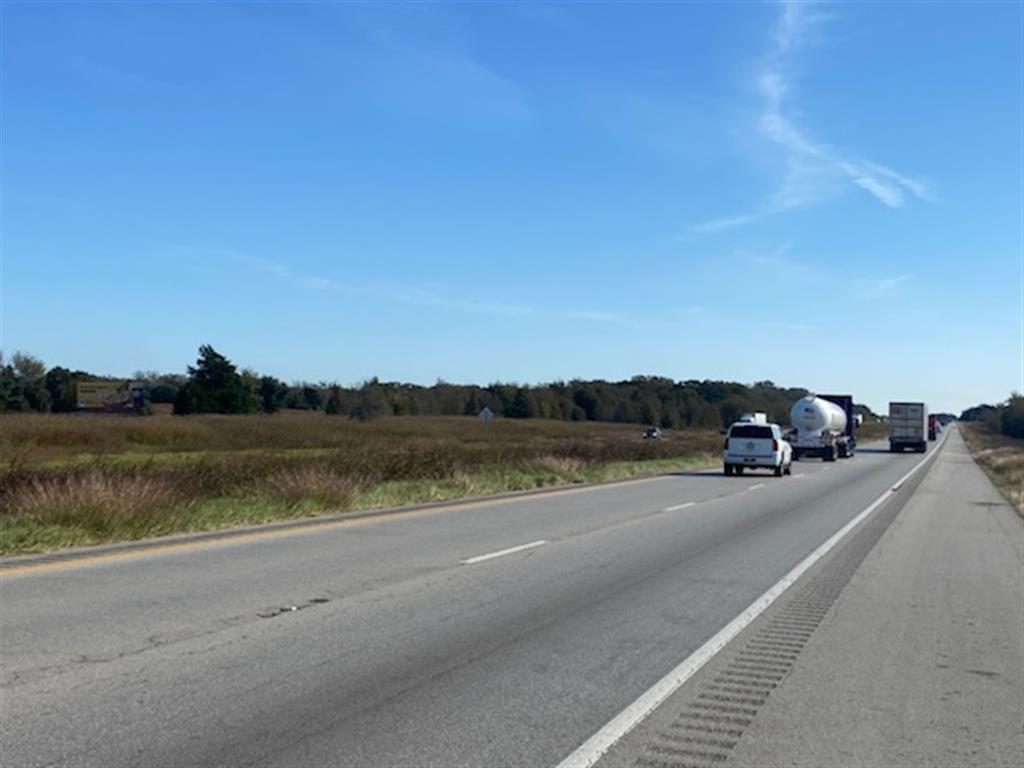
(824, 427)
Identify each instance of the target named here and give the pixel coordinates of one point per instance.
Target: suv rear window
(751, 431)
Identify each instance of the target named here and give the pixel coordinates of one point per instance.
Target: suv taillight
(726, 446)
(775, 445)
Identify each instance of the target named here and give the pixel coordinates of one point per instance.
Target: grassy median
(70, 480)
(1001, 457)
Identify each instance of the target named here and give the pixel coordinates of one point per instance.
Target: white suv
(750, 444)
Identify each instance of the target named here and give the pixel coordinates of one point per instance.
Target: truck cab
(756, 445)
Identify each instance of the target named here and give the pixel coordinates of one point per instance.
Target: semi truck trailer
(824, 427)
(908, 427)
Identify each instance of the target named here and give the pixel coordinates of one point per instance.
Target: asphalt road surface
(418, 639)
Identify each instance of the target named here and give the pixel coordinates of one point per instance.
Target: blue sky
(824, 195)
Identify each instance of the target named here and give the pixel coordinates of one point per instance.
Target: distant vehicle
(824, 427)
(758, 417)
(908, 427)
(933, 426)
(652, 433)
(756, 445)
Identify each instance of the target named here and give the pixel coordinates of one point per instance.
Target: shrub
(1012, 422)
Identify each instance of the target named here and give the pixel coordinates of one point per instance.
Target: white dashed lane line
(503, 552)
(680, 506)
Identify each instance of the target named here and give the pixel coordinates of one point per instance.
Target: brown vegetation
(76, 479)
(1002, 458)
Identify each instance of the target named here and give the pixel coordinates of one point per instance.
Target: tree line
(1007, 417)
(215, 385)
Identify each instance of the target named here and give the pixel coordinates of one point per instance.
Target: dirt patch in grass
(1001, 457)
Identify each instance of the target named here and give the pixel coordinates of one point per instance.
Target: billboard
(112, 395)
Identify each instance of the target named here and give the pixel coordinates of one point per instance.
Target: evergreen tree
(62, 387)
(214, 386)
(272, 393)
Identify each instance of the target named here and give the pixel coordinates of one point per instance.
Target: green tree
(61, 384)
(30, 373)
(335, 404)
(188, 399)
(1013, 416)
(251, 385)
(370, 401)
(524, 405)
(11, 396)
(312, 397)
(160, 387)
(272, 393)
(214, 386)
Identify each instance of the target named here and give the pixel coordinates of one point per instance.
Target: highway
(511, 632)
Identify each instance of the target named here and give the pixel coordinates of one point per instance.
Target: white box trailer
(908, 426)
(757, 417)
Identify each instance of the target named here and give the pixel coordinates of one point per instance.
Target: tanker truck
(824, 427)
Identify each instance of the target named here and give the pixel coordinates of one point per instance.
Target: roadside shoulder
(901, 647)
(919, 661)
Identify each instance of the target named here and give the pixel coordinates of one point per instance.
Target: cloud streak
(814, 170)
(880, 287)
(399, 294)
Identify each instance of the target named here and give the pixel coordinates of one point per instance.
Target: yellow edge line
(75, 562)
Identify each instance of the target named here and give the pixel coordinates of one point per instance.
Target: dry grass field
(1001, 457)
(68, 480)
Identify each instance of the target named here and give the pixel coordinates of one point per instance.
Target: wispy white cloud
(281, 271)
(321, 283)
(421, 61)
(585, 314)
(426, 298)
(814, 170)
(880, 287)
(774, 257)
(394, 293)
(728, 222)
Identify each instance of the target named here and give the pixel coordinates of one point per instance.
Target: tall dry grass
(101, 478)
(1001, 457)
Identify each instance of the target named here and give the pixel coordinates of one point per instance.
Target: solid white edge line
(754, 487)
(680, 506)
(509, 551)
(595, 747)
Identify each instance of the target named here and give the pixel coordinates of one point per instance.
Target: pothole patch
(272, 612)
